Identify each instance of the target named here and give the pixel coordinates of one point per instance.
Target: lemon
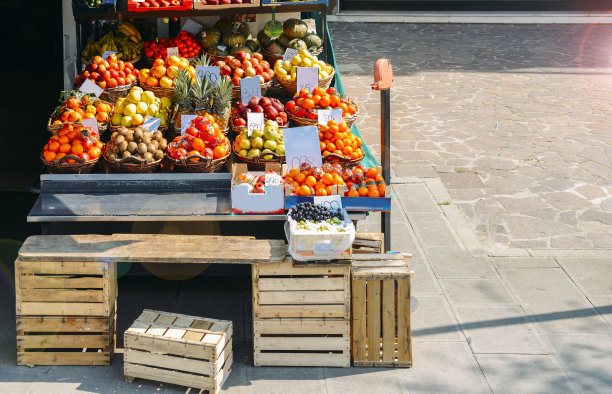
(287, 65)
(281, 72)
(323, 74)
(306, 62)
(296, 60)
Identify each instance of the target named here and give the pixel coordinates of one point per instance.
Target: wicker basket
(291, 86)
(159, 91)
(257, 163)
(160, 128)
(349, 120)
(131, 164)
(272, 57)
(343, 161)
(102, 126)
(204, 165)
(149, 60)
(112, 94)
(60, 166)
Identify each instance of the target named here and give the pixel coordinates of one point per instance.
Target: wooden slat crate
(65, 340)
(179, 349)
(301, 315)
(65, 288)
(369, 243)
(381, 311)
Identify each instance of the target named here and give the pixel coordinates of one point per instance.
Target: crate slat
(295, 311)
(301, 297)
(61, 282)
(167, 361)
(285, 269)
(62, 295)
(63, 267)
(403, 320)
(62, 309)
(63, 358)
(67, 341)
(271, 284)
(302, 343)
(388, 319)
(302, 359)
(301, 326)
(359, 319)
(62, 324)
(373, 313)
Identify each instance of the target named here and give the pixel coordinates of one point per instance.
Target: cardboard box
(270, 202)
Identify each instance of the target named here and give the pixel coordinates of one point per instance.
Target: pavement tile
(593, 276)
(461, 180)
(364, 380)
(416, 197)
(524, 262)
(524, 373)
(603, 305)
(476, 291)
(448, 263)
(433, 320)
(432, 229)
(282, 380)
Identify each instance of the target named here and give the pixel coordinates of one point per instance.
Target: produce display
(188, 46)
(245, 65)
(287, 70)
(132, 110)
(73, 109)
(162, 73)
(305, 104)
(123, 39)
(337, 139)
(272, 109)
(261, 143)
(332, 179)
(311, 217)
(137, 143)
(223, 2)
(228, 38)
(164, 4)
(203, 138)
(108, 73)
(77, 141)
(295, 35)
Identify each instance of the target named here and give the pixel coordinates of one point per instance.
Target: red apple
(226, 70)
(258, 108)
(239, 73)
(265, 102)
(254, 102)
(241, 55)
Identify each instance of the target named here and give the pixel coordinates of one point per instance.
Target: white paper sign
(302, 146)
(255, 121)
(191, 26)
(151, 123)
(249, 88)
(273, 180)
(222, 47)
(186, 122)
(212, 73)
(90, 86)
(333, 202)
(172, 51)
(307, 78)
(289, 54)
(92, 123)
(325, 115)
(107, 54)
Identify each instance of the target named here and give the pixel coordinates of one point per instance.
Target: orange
(65, 148)
(353, 193)
(102, 116)
(382, 189)
(327, 178)
(310, 181)
(320, 185)
(374, 193)
(324, 101)
(308, 104)
(372, 173)
(321, 192)
(331, 147)
(305, 190)
(77, 149)
(159, 62)
(293, 172)
(296, 186)
(300, 178)
(49, 156)
(363, 191)
(304, 93)
(198, 144)
(54, 146)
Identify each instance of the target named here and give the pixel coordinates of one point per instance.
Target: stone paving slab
(449, 263)
(433, 320)
(476, 291)
(524, 262)
(592, 276)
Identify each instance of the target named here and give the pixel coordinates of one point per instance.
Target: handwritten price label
(302, 146)
(90, 86)
(325, 115)
(333, 202)
(249, 88)
(107, 54)
(92, 123)
(151, 123)
(289, 54)
(212, 73)
(255, 121)
(192, 27)
(186, 122)
(173, 51)
(307, 78)
(272, 180)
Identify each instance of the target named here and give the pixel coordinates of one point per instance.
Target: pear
(148, 97)
(243, 153)
(137, 119)
(166, 102)
(120, 105)
(270, 123)
(266, 154)
(287, 65)
(253, 153)
(130, 110)
(245, 143)
(257, 133)
(270, 144)
(134, 96)
(116, 120)
(257, 143)
(280, 149)
(141, 108)
(153, 110)
(271, 134)
(137, 88)
(126, 121)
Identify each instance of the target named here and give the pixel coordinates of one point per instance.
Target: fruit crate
(301, 315)
(81, 7)
(199, 5)
(65, 288)
(134, 6)
(369, 243)
(66, 340)
(381, 311)
(179, 349)
(292, 2)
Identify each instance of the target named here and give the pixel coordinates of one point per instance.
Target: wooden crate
(65, 288)
(381, 311)
(301, 315)
(65, 340)
(369, 243)
(179, 349)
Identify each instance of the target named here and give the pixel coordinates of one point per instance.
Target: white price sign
(92, 123)
(212, 73)
(151, 123)
(107, 54)
(302, 146)
(289, 54)
(172, 51)
(249, 88)
(255, 121)
(186, 122)
(307, 78)
(325, 115)
(90, 86)
(273, 180)
(191, 26)
(333, 202)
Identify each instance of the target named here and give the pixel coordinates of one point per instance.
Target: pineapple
(222, 101)
(202, 95)
(182, 96)
(203, 60)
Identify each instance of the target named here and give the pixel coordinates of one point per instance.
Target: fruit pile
(124, 39)
(295, 35)
(228, 37)
(272, 109)
(108, 73)
(162, 73)
(261, 143)
(77, 141)
(202, 138)
(287, 70)
(364, 182)
(134, 108)
(188, 46)
(305, 104)
(245, 65)
(183, 4)
(138, 143)
(256, 184)
(312, 217)
(217, 2)
(75, 110)
(337, 139)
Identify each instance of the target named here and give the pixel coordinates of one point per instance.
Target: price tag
(107, 54)
(307, 78)
(212, 73)
(186, 122)
(138, 1)
(255, 121)
(302, 146)
(191, 26)
(90, 86)
(333, 202)
(289, 54)
(92, 123)
(325, 115)
(173, 51)
(222, 47)
(151, 123)
(272, 180)
(235, 26)
(249, 88)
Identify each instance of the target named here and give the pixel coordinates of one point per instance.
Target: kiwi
(146, 139)
(148, 157)
(129, 137)
(123, 131)
(151, 148)
(163, 144)
(158, 155)
(123, 145)
(158, 135)
(120, 138)
(138, 134)
(126, 154)
(132, 146)
(112, 157)
(142, 148)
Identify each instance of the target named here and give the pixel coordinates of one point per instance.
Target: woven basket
(135, 60)
(149, 60)
(160, 128)
(112, 94)
(272, 58)
(131, 165)
(257, 163)
(158, 91)
(61, 166)
(291, 86)
(213, 58)
(264, 88)
(102, 126)
(204, 165)
(343, 161)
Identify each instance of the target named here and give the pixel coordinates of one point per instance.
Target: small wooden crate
(179, 349)
(381, 311)
(301, 315)
(369, 243)
(65, 288)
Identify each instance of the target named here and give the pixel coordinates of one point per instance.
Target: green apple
(257, 133)
(133, 97)
(120, 105)
(141, 107)
(257, 143)
(280, 149)
(253, 153)
(245, 143)
(130, 110)
(271, 134)
(116, 120)
(148, 97)
(153, 109)
(270, 144)
(137, 119)
(126, 121)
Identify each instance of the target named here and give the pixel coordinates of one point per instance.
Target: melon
(264, 39)
(233, 39)
(211, 37)
(283, 40)
(217, 51)
(312, 40)
(276, 49)
(298, 44)
(224, 25)
(252, 45)
(295, 28)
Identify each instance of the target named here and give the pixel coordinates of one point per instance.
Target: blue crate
(80, 7)
(382, 204)
(286, 3)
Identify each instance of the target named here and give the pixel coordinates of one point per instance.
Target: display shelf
(289, 3)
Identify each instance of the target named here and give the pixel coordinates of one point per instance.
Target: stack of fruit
(286, 72)
(133, 147)
(338, 144)
(188, 46)
(132, 110)
(108, 73)
(154, 5)
(272, 109)
(317, 218)
(245, 65)
(364, 182)
(160, 78)
(73, 149)
(263, 145)
(304, 106)
(123, 39)
(197, 3)
(228, 38)
(295, 35)
(74, 110)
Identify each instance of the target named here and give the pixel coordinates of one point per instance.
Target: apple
(239, 73)
(246, 64)
(258, 108)
(250, 72)
(225, 2)
(241, 55)
(253, 102)
(236, 81)
(265, 102)
(226, 70)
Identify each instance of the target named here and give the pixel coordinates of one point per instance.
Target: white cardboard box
(270, 202)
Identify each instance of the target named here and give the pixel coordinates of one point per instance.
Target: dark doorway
(475, 5)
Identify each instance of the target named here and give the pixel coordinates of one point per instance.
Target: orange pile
(75, 110)
(337, 138)
(77, 141)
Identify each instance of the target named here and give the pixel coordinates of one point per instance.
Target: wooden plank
(17, 287)
(60, 282)
(255, 292)
(63, 358)
(271, 284)
(166, 376)
(62, 309)
(388, 320)
(184, 364)
(223, 374)
(347, 292)
(382, 273)
(302, 359)
(361, 265)
(302, 343)
(301, 326)
(369, 236)
(300, 297)
(62, 295)
(373, 319)
(62, 324)
(50, 266)
(145, 248)
(296, 311)
(359, 319)
(403, 321)
(168, 346)
(374, 257)
(288, 269)
(67, 341)
(383, 364)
